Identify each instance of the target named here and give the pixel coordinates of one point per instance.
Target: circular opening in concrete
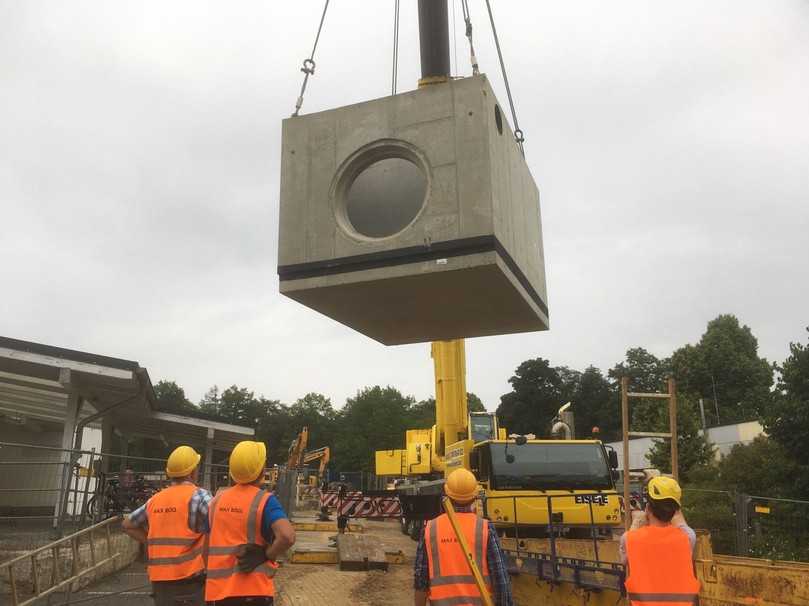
(498, 119)
(385, 196)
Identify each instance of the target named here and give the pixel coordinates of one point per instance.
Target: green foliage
(594, 403)
(474, 403)
(725, 367)
(535, 397)
(694, 452)
(788, 420)
(762, 467)
(171, 396)
(423, 412)
(647, 373)
(314, 411)
(375, 419)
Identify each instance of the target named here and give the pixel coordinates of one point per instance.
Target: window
(550, 466)
(385, 197)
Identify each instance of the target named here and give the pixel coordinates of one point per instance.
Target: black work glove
(249, 556)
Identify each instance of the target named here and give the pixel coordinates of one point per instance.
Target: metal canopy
(37, 382)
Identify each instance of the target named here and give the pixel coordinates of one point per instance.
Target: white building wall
(35, 469)
(724, 438)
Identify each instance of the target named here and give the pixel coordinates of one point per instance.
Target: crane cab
(531, 483)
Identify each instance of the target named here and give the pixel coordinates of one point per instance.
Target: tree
(423, 412)
(787, 420)
(693, 450)
(171, 396)
(647, 373)
(762, 467)
(240, 406)
(314, 411)
(474, 403)
(537, 393)
(724, 368)
(596, 405)
(375, 419)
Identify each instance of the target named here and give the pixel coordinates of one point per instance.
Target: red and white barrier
(357, 505)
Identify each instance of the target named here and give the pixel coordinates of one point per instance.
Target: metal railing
(46, 564)
(586, 573)
(750, 526)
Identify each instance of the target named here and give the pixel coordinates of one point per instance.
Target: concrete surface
(471, 261)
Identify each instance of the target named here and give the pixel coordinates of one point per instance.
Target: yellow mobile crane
(519, 476)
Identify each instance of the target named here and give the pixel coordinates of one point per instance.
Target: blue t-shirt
(271, 514)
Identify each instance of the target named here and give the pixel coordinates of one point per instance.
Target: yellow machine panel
(566, 509)
(418, 451)
(457, 456)
(391, 462)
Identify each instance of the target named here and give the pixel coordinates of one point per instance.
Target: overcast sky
(139, 178)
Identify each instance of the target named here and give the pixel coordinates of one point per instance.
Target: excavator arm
(297, 449)
(321, 453)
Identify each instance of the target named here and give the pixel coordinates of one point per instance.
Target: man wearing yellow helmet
(441, 573)
(249, 531)
(659, 554)
(172, 525)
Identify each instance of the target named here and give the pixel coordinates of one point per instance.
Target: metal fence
(47, 486)
(773, 528)
(747, 525)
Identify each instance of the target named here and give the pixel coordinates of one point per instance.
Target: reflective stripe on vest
(661, 572)
(451, 581)
(235, 519)
(174, 550)
(682, 598)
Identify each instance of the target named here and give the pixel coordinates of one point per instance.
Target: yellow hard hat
(247, 461)
(182, 462)
(663, 487)
(461, 486)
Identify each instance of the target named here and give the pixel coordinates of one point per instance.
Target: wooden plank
(655, 396)
(648, 434)
(361, 552)
(625, 440)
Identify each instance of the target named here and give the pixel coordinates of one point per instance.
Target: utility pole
(433, 41)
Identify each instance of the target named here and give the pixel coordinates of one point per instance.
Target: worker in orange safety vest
(249, 531)
(659, 554)
(172, 524)
(441, 572)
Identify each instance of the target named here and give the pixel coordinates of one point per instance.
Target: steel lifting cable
(468, 20)
(308, 68)
(395, 69)
(519, 136)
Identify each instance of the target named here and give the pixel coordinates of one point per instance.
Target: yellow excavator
(320, 454)
(524, 481)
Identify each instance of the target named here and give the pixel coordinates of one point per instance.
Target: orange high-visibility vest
(235, 516)
(451, 581)
(661, 572)
(174, 550)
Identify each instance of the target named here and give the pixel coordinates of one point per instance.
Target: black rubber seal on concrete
(411, 254)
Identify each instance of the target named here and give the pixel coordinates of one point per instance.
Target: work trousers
(186, 592)
(243, 601)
